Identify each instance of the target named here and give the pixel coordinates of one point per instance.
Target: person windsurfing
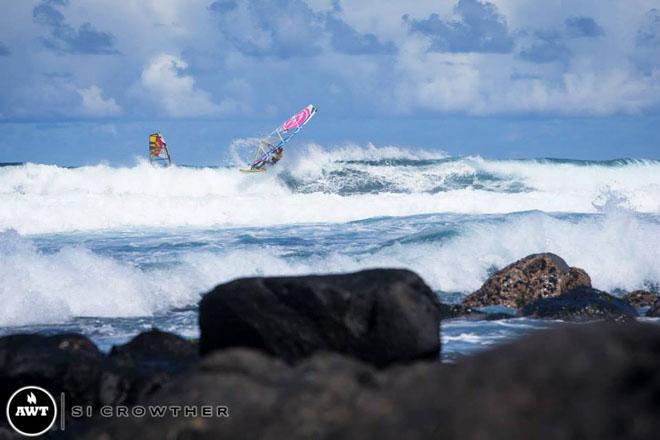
(277, 156)
(158, 152)
(270, 149)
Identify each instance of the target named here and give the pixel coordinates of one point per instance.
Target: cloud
(282, 28)
(109, 129)
(455, 83)
(65, 38)
(346, 39)
(222, 57)
(583, 27)
(223, 6)
(479, 28)
(290, 28)
(94, 104)
(649, 33)
(544, 47)
(176, 92)
(4, 50)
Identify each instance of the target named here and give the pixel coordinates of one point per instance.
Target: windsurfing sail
(271, 147)
(158, 152)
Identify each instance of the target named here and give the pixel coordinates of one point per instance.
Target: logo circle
(31, 411)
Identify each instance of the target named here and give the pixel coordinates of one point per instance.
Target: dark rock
(6, 433)
(158, 348)
(447, 311)
(453, 311)
(380, 316)
(580, 304)
(654, 311)
(63, 363)
(588, 382)
(319, 398)
(533, 277)
(498, 316)
(640, 298)
(72, 364)
(153, 358)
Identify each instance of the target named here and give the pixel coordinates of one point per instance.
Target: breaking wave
(315, 185)
(55, 278)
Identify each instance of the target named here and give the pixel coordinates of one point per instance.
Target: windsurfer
(277, 155)
(270, 149)
(274, 158)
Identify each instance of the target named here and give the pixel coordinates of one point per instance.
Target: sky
(83, 82)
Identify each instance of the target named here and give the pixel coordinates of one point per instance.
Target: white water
(46, 199)
(618, 249)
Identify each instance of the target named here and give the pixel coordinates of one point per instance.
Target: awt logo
(31, 411)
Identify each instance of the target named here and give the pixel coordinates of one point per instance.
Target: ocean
(113, 251)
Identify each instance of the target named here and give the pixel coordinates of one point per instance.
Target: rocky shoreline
(357, 356)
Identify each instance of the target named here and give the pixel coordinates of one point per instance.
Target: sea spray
(313, 185)
(53, 278)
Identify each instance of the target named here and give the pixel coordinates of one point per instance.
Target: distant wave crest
(315, 184)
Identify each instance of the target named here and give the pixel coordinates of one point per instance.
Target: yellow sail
(158, 152)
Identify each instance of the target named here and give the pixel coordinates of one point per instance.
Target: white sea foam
(618, 249)
(43, 288)
(472, 338)
(316, 186)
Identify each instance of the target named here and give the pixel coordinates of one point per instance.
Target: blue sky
(83, 82)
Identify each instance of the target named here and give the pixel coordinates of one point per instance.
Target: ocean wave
(40, 287)
(315, 185)
(81, 276)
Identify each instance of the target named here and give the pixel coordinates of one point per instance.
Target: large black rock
(597, 381)
(152, 359)
(584, 382)
(67, 363)
(580, 304)
(381, 316)
(156, 349)
(72, 364)
(324, 396)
